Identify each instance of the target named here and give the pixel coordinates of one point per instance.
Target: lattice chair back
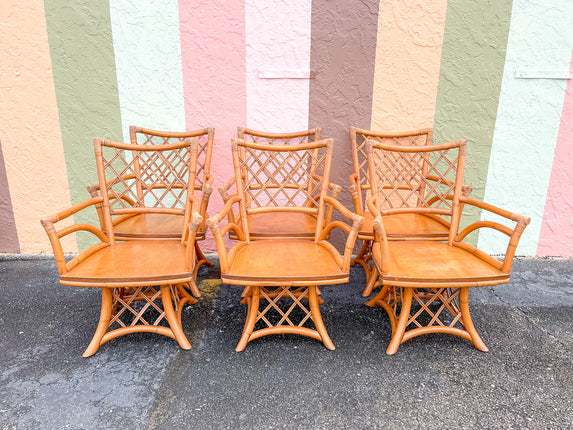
(417, 179)
(144, 136)
(307, 136)
(150, 178)
(282, 178)
(358, 138)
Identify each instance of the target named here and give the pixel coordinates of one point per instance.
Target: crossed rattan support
(120, 314)
(304, 299)
(417, 311)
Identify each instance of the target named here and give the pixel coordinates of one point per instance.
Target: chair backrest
(150, 178)
(266, 138)
(145, 136)
(417, 179)
(282, 178)
(306, 136)
(358, 138)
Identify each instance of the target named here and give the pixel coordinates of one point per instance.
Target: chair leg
(201, 257)
(314, 301)
(105, 316)
(252, 299)
(402, 322)
(172, 319)
(467, 320)
(371, 277)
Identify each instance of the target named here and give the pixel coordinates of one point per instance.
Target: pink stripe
(556, 237)
(214, 79)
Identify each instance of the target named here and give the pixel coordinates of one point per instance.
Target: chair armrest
(219, 233)
(381, 237)
(334, 190)
(55, 235)
(357, 221)
(373, 207)
(206, 191)
(514, 234)
(355, 191)
(224, 189)
(224, 192)
(194, 224)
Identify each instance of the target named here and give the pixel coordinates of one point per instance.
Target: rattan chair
(142, 281)
(166, 225)
(398, 226)
(272, 225)
(291, 180)
(425, 282)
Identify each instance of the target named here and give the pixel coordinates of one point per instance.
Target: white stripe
(528, 117)
(147, 48)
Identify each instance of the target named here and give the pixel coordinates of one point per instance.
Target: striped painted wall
(498, 73)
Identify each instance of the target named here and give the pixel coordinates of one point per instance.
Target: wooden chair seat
(400, 226)
(139, 261)
(427, 261)
(152, 226)
(284, 261)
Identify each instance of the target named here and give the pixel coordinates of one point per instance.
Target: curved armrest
(219, 233)
(55, 235)
(373, 207)
(94, 191)
(195, 223)
(357, 221)
(355, 191)
(206, 191)
(334, 190)
(224, 189)
(514, 234)
(224, 192)
(382, 239)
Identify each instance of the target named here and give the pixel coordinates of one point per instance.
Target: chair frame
(119, 294)
(450, 296)
(360, 185)
(275, 139)
(203, 184)
(273, 289)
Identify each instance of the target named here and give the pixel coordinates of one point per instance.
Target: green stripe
(471, 71)
(83, 63)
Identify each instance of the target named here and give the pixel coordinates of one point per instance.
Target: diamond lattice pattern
(147, 178)
(415, 179)
(150, 139)
(282, 178)
(415, 140)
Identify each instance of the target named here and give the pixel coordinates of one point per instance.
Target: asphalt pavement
(145, 381)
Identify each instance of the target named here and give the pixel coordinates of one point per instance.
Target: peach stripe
(556, 236)
(408, 53)
(34, 154)
(214, 79)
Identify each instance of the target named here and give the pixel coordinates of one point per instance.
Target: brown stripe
(343, 53)
(8, 233)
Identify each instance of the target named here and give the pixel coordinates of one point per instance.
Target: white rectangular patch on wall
(286, 74)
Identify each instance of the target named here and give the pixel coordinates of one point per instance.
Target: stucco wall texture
(497, 73)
